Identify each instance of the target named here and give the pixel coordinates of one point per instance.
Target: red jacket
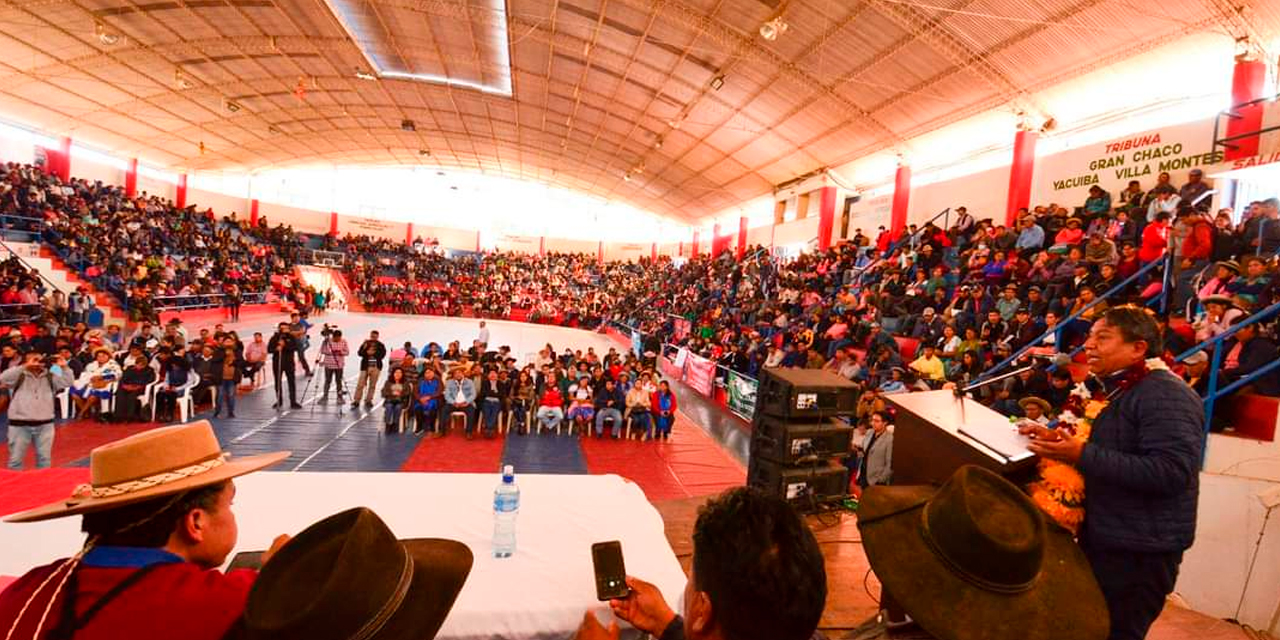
(178, 600)
(551, 397)
(1198, 244)
(657, 406)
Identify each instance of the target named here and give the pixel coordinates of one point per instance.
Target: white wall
(796, 232)
(377, 228)
(1064, 177)
(302, 220)
(449, 238)
(14, 150)
(511, 243)
(561, 245)
(627, 251)
(86, 169)
(760, 235)
(222, 205)
(870, 213)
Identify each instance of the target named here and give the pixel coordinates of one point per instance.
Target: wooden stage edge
(853, 592)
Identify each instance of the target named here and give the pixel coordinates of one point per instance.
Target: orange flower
(1094, 408)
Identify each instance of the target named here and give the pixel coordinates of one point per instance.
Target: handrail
(897, 243)
(26, 264)
(1168, 258)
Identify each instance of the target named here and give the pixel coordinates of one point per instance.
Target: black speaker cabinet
(786, 442)
(820, 482)
(804, 393)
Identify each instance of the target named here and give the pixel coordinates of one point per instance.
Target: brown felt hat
(1040, 402)
(347, 576)
(154, 463)
(976, 560)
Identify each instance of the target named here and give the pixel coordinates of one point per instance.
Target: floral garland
(1060, 490)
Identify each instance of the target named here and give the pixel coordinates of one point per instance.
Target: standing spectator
(609, 403)
(483, 336)
(664, 410)
(1155, 238)
(877, 453)
(284, 356)
(1194, 188)
(460, 394)
(333, 358)
(298, 326)
(371, 353)
(32, 389)
(226, 369)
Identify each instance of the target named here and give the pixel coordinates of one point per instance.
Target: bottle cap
(508, 473)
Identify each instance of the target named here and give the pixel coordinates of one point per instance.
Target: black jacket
(1142, 468)
(1254, 355)
(283, 348)
(371, 353)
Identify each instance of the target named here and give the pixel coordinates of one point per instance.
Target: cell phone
(246, 560)
(611, 573)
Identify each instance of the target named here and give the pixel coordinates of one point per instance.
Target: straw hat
(976, 560)
(1230, 265)
(151, 464)
(1040, 402)
(1218, 298)
(348, 576)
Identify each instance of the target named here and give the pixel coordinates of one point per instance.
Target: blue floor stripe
(544, 454)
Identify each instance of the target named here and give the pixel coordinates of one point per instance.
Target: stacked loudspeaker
(800, 435)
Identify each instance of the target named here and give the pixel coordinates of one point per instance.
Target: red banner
(681, 328)
(698, 373)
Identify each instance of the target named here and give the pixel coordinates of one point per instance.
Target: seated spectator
(491, 398)
(460, 396)
(609, 402)
(663, 406)
(427, 399)
(930, 366)
(93, 388)
(130, 394)
(177, 538)
(1219, 314)
(396, 393)
(550, 409)
(757, 573)
(1246, 352)
(1035, 410)
(637, 413)
(581, 406)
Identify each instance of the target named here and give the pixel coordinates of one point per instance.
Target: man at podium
(1141, 469)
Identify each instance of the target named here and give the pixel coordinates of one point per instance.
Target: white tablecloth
(540, 592)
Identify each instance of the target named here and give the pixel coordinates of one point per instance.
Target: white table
(540, 592)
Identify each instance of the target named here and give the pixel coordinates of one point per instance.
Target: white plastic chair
(186, 403)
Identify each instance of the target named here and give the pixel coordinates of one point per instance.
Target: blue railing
(1167, 262)
(1213, 393)
(906, 237)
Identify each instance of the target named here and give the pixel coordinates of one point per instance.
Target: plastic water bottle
(506, 504)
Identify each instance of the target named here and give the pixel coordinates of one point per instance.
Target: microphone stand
(962, 391)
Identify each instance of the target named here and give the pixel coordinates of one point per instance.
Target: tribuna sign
(1112, 164)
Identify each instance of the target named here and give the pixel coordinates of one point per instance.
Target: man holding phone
(31, 406)
(757, 573)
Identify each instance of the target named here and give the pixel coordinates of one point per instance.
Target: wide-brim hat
(1075, 220)
(1230, 265)
(151, 464)
(1040, 402)
(347, 576)
(976, 560)
(1218, 298)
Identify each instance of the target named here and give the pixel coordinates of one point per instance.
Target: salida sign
(1136, 157)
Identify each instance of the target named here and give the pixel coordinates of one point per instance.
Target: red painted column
(742, 237)
(680, 249)
(653, 251)
(253, 212)
(64, 166)
(826, 217)
(600, 252)
(1248, 82)
(715, 240)
(408, 233)
(180, 193)
(901, 199)
(477, 242)
(693, 249)
(542, 245)
(333, 223)
(1024, 165)
(131, 178)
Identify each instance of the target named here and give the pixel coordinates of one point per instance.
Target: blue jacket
(1142, 468)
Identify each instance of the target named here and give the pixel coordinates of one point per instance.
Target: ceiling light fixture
(105, 36)
(626, 177)
(657, 144)
(230, 106)
(717, 82)
(273, 129)
(423, 152)
(365, 75)
(407, 125)
(181, 80)
(773, 28)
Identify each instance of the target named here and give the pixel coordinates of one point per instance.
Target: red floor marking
(690, 464)
(454, 453)
(74, 440)
(20, 490)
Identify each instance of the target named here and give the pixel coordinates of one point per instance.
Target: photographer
(371, 353)
(333, 358)
(31, 408)
(284, 355)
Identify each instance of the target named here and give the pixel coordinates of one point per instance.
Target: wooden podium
(933, 436)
